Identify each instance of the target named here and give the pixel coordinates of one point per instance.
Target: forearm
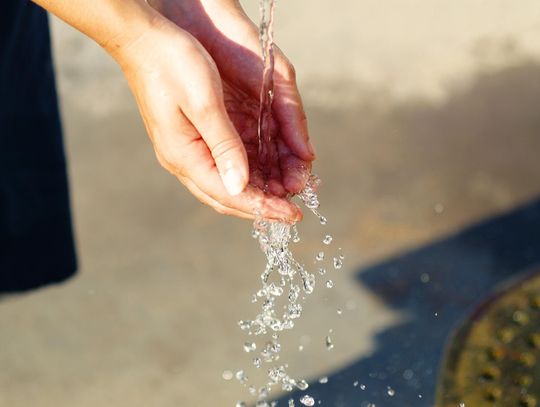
(111, 23)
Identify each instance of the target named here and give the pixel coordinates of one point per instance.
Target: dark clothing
(36, 242)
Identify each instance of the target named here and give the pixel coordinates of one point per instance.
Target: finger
(205, 109)
(199, 167)
(252, 200)
(289, 110)
(288, 105)
(217, 206)
(295, 171)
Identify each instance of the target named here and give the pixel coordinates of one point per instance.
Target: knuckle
(207, 107)
(224, 148)
(170, 162)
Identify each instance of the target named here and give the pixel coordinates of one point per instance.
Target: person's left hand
(231, 39)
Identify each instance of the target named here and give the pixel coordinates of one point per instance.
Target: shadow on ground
(435, 286)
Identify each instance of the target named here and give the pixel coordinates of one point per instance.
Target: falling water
(266, 38)
(285, 281)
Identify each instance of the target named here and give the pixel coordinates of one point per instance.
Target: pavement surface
(426, 117)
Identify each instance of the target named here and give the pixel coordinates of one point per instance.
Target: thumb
(204, 106)
(224, 143)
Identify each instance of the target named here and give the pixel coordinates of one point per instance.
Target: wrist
(129, 29)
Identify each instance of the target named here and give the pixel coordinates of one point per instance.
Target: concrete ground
(425, 115)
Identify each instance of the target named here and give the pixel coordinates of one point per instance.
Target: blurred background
(426, 118)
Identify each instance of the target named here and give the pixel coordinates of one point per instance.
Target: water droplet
(390, 391)
(249, 347)
(338, 263)
(438, 208)
(320, 256)
(257, 362)
(244, 325)
(339, 311)
(241, 404)
(307, 400)
(263, 392)
(363, 386)
(323, 220)
(355, 384)
(227, 375)
(323, 380)
(329, 344)
(461, 404)
(419, 396)
(300, 348)
(327, 239)
(309, 283)
(241, 376)
(302, 385)
(291, 403)
(274, 290)
(252, 390)
(322, 271)
(329, 284)
(424, 278)
(295, 235)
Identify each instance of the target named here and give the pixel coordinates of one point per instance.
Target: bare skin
(194, 67)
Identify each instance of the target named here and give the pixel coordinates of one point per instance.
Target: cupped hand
(203, 125)
(232, 40)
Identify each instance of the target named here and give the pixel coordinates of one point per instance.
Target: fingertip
(234, 180)
(276, 188)
(294, 182)
(311, 149)
(301, 146)
(299, 214)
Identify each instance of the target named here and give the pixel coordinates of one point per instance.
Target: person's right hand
(179, 93)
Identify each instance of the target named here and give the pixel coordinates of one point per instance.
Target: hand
(232, 41)
(181, 98)
(180, 95)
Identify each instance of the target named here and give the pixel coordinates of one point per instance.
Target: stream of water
(285, 281)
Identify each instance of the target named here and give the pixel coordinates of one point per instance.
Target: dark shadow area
(491, 127)
(434, 287)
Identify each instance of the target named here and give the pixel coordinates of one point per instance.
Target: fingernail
(233, 181)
